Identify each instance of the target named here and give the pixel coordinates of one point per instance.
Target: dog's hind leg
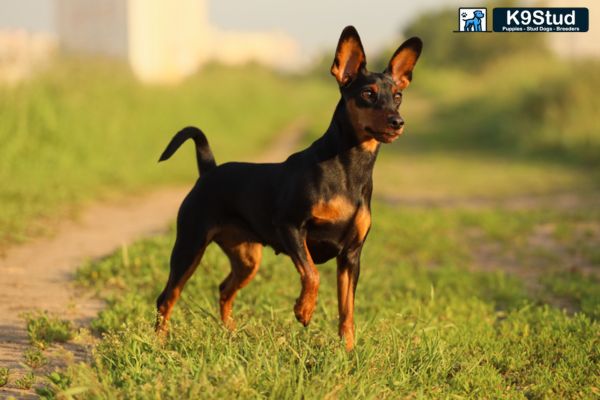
(244, 255)
(186, 256)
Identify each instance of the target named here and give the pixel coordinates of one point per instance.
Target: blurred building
(163, 41)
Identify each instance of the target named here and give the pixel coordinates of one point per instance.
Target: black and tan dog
(313, 207)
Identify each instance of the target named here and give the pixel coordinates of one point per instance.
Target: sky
(317, 24)
(314, 24)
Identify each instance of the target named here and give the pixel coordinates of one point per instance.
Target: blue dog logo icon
(472, 19)
(473, 24)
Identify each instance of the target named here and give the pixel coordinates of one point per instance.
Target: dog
(313, 207)
(474, 24)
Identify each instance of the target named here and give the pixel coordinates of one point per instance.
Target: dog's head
(373, 99)
(478, 14)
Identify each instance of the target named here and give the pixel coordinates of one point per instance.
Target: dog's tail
(204, 155)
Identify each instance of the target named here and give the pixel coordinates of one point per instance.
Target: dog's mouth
(385, 136)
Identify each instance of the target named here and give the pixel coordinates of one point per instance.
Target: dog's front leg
(294, 241)
(348, 270)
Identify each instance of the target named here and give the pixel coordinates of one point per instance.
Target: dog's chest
(340, 212)
(336, 223)
(338, 209)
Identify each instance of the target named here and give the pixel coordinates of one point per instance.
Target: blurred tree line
(468, 51)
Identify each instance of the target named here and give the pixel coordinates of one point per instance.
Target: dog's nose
(395, 121)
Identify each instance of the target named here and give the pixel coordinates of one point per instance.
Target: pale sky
(315, 24)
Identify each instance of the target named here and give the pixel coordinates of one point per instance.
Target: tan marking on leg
(306, 302)
(345, 289)
(173, 295)
(245, 256)
(362, 222)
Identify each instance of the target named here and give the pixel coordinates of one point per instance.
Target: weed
(26, 381)
(57, 386)
(4, 374)
(577, 288)
(34, 357)
(44, 328)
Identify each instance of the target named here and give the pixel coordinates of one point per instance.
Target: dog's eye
(397, 97)
(368, 94)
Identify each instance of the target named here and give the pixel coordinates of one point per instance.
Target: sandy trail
(38, 275)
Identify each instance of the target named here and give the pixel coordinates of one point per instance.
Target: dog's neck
(340, 145)
(341, 140)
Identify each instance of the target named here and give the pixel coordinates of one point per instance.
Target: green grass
(34, 357)
(4, 374)
(86, 129)
(25, 382)
(44, 329)
(58, 383)
(437, 175)
(429, 323)
(579, 289)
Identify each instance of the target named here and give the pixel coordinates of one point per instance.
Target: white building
(164, 41)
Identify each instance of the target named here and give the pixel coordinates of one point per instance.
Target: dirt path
(39, 274)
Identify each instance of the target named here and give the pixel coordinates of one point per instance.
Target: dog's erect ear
(349, 57)
(403, 61)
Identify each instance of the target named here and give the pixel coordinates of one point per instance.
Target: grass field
(64, 132)
(432, 320)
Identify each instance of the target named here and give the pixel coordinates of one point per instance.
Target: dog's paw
(229, 323)
(347, 336)
(303, 312)
(162, 330)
